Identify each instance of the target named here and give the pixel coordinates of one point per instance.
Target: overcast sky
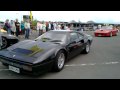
(83, 16)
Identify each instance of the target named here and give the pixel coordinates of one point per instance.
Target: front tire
(59, 61)
(4, 43)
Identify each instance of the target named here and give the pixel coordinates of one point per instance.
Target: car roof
(66, 31)
(69, 31)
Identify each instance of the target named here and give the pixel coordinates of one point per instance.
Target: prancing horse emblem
(13, 55)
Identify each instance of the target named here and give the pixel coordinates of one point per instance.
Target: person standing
(39, 28)
(27, 29)
(17, 24)
(30, 27)
(7, 26)
(22, 28)
(59, 26)
(55, 26)
(52, 26)
(62, 26)
(44, 27)
(12, 27)
(47, 26)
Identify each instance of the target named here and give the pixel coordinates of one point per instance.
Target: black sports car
(49, 51)
(7, 40)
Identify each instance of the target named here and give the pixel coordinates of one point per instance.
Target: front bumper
(102, 34)
(29, 68)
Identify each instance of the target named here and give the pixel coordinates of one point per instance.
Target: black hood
(23, 51)
(27, 44)
(31, 47)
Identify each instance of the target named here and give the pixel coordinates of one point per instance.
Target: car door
(81, 42)
(74, 45)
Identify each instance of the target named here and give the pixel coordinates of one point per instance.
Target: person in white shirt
(49, 26)
(55, 26)
(13, 27)
(44, 27)
(27, 29)
(59, 26)
(39, 28)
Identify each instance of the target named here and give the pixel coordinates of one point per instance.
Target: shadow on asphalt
(39, 76)
(27, 76)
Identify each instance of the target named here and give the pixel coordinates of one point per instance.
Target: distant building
(26, 17)
(90, 25)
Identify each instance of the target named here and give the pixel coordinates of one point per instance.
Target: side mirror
(82, 41)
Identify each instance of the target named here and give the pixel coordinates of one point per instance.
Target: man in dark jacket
(17, 24)
(52, 26)
(7, 26)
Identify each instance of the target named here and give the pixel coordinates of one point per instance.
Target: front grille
(11, 63)
(11, 60)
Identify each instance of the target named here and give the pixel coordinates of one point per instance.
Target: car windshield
(52, 36)
(107, 27)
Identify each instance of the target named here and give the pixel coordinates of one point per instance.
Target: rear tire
(87, 48)
(59, 61)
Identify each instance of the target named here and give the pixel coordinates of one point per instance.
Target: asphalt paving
(103, 62)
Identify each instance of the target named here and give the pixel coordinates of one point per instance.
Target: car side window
(73, 37)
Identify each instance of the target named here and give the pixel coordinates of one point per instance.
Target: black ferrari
(49, 51)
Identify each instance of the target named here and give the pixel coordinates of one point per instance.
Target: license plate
(99, 35)
(14, 69)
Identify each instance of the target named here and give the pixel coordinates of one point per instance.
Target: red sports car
(106, 31)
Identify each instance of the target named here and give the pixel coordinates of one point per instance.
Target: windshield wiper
(45, 38)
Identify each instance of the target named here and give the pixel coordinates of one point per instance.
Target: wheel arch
(62, 49)
(89, 42)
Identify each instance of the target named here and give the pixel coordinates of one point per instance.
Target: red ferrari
(106, 31)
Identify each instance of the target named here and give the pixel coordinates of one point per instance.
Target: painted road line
(91, 64)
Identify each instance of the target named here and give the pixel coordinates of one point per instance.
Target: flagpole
(31, 17)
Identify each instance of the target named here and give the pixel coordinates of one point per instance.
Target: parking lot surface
(103, 62)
